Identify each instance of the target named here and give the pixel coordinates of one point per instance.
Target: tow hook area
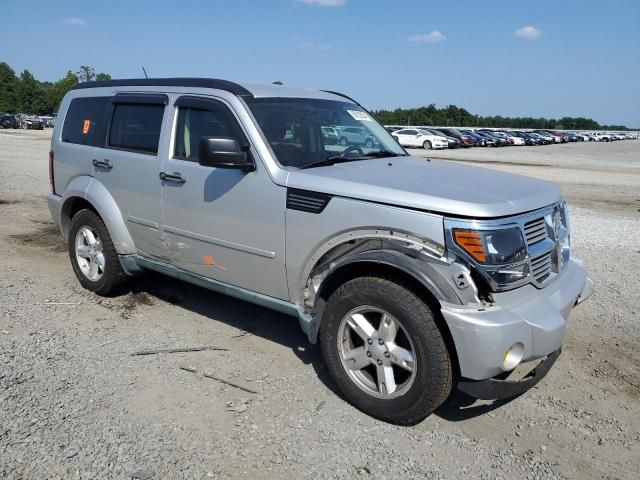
(495, 388)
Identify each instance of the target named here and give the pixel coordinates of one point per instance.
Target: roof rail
(169, 82)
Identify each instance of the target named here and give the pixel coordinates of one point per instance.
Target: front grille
(541, 267)
(535, 231)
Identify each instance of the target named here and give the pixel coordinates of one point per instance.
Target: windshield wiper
(329, 161)
(342, 159)
(382, 153)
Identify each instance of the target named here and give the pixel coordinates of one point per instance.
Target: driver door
(223, 223)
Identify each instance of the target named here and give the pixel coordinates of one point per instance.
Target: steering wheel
(352, 148)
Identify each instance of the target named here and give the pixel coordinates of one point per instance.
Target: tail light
(51, 177)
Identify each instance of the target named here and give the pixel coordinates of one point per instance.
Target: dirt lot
(75, 404)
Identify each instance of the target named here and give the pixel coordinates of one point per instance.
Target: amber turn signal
(471, 242)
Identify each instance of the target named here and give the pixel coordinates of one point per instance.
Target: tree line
(25, 94)
(459, 117)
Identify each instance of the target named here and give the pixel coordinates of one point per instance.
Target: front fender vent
(306, 201)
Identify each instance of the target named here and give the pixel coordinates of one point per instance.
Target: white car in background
(417, 138)
(601, 137)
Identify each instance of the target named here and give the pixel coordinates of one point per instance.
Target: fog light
(513, 356)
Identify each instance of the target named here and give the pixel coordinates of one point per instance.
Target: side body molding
(94, 192)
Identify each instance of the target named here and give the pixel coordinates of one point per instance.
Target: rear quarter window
(136, 127)
(86, 121)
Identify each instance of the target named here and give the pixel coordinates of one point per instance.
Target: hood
(437, 186)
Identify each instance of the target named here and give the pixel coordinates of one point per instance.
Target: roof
(243, 90)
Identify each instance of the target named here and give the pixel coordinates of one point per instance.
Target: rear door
(128, 165)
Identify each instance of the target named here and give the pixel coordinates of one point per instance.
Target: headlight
(501, 252)
(492, 247)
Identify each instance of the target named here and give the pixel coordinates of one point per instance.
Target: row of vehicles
(439, 138)
(26, 121)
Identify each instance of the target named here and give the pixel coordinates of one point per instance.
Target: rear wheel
(385, 351)
(93, 256)
(343, 141)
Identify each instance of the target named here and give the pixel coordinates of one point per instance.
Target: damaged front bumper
(497, 388)
(532, 320)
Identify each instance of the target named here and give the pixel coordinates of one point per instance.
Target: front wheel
(92, 254)
(384, 350)
(427, 145)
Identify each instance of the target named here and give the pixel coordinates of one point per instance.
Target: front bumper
(536, 318)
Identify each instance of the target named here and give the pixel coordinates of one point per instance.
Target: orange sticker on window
(86, 126)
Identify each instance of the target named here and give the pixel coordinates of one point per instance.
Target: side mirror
(224, 152)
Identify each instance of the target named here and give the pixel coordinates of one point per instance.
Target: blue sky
(543, 58)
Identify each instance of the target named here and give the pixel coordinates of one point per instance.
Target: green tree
(86, 73)
(30, 93)
(8, 88)
(103, 76)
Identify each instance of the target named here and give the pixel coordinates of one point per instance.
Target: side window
(86, 121)
(136, 127)
(210, 119)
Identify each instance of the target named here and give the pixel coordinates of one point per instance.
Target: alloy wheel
(376, 352)
(89, 253)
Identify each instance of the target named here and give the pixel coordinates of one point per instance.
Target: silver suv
(415, 276)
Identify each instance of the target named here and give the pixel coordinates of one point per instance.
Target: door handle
(106, 163)
(172, 177)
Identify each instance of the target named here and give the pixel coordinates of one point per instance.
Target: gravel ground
(75, 404)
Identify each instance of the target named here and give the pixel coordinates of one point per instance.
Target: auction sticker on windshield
(359, 115)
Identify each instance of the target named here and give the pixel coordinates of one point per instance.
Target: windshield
(302, 131)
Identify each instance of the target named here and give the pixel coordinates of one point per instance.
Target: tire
(368, 143)
(427, 145)
(418, 391)
(110, 278)
(343, 141)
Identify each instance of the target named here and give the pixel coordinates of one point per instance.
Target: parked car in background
(329, 135)
(527, 140)
(453, 142)
(480, 140)
(544, 139)
(499, 141)
(8, 121)
(601, 137)
(513, 140)
(416, 138)
(46, 121)
(355, 136)
(556, 137)
(31, 122)
(465, 140)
